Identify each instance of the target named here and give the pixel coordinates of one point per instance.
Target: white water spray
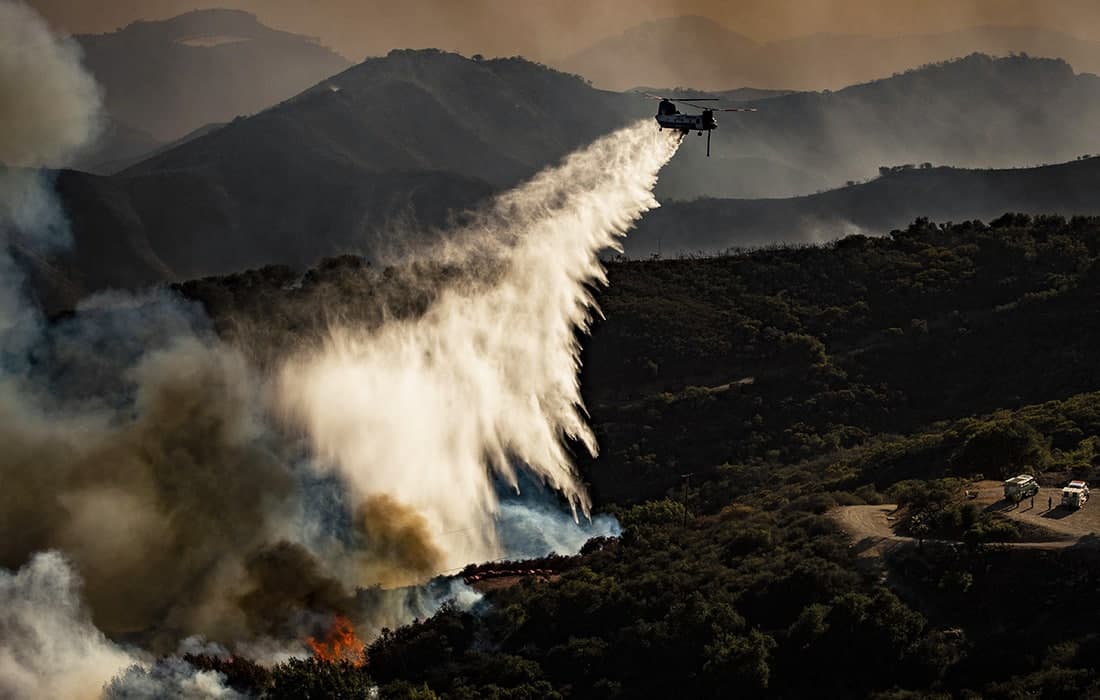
(423, 411)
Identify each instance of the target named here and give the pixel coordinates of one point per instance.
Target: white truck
(1075, 494)
(1020, 487)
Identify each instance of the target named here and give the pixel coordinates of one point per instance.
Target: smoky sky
(545, 29)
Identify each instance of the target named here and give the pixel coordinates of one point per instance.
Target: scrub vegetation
(737, 400)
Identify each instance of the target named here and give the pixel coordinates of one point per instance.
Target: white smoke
(48, 645)
(49, 109)
(169, 679)
(51, 106)
(533, 531)
(416, 410)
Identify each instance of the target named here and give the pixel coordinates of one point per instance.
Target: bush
(1002, 448)
(318, 680)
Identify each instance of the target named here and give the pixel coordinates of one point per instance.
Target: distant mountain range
(892, 201)
(167, 78)
(394, 145)
(702, 53)
(401, 146)
(117, 247)
(973, 112)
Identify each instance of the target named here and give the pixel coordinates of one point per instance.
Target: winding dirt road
(872, 529)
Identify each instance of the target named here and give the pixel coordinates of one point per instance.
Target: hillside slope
(173, 76)
(363, 162)
(498, 120)
(900, 368)
(358, 161)
(975, 112)
(371, 158)
(888, 202)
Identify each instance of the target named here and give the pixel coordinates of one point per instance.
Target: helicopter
(671, 118)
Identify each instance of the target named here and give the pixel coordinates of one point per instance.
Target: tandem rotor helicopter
(670, 118)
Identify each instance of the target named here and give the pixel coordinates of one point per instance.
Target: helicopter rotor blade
(722, 109)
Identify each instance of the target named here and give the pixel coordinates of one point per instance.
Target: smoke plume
(49, 109)
(51, 105)
(191, 494)
(59, 653)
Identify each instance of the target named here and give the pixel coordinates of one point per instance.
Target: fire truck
(1020, 487)
(1075, 494)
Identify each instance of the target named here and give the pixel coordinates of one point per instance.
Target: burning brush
(339, 644)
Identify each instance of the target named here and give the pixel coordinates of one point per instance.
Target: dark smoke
(398, 543)
(157, 503)
(285, 580)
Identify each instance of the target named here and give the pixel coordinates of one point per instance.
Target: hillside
(497, 120)
(173, 76)
(129, 233)
(888, 202)
(976, 112)
(702, 53)
(895, 333)
(392, 147)
(355, 163)
(117, 146)
(501, 120)
(737, 400)
(399, 144)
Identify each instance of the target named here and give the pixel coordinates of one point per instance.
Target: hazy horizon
(544, 32)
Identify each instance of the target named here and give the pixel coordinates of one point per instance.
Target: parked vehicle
(1020, 487)
(1075, 494)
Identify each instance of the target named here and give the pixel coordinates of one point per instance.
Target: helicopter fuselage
(688, 122)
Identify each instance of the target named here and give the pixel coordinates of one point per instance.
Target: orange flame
(339, 644)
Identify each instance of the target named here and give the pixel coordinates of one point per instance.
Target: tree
(1001, 448)
(739, 661)
(318, 680)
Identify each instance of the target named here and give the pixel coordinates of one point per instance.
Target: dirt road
(868, 522)
(1058, 526)
(1059, 520)
(872, 529)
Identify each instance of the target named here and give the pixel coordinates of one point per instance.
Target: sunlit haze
(547, 30)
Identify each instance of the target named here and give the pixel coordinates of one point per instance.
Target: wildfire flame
(339, 643)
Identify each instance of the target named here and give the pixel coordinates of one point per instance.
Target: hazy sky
(553, 28)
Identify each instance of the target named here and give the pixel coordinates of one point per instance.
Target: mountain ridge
(889, 202)
(165, 78)
(810, 62)
(398, 147)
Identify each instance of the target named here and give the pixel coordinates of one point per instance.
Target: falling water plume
(416, 410)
